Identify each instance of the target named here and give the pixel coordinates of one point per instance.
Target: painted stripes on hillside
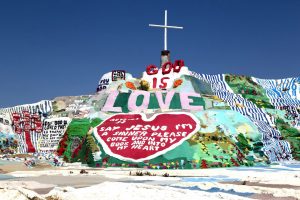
(44, 106)
(283, 94)
(274, 148)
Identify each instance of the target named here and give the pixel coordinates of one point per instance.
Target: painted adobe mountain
(169, 118)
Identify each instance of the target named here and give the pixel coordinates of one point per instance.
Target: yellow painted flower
(245, 128)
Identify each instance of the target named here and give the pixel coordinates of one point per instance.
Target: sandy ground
(45, 181)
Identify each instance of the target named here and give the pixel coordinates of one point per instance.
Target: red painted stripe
(31, 148)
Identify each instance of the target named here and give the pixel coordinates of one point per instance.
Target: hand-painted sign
(4, 120)
(28, 126)
(126, 102)
(104, 81)
(53, 131)
(118, 75)
(133, 137)
(5, 125)
(110, 77)
(163, 78)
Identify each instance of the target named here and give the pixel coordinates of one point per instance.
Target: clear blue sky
(52, 48)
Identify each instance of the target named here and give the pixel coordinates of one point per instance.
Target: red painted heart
(133, 137)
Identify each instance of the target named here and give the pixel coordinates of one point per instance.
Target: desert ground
(76, 181)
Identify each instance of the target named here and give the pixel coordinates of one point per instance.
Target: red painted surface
(30, 146)
(26, 122)
(130, 136)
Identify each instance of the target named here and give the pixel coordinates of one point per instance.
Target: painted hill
(170, 118)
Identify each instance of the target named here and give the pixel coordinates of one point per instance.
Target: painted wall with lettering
(27, 123)
(134, 137)
(178, 140)
(143, 101)
(169, 118)
(53, 130)
(164, 77)
(112, 77)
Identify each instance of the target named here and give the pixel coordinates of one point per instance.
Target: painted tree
(243, 142)
(234, 162)
(92, 142)
(62, 144)
(204, 164)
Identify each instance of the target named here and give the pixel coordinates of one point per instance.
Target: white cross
(165, 29)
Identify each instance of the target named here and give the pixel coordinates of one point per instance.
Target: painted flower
(144, 85)
(177, 83)
(130, 85)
